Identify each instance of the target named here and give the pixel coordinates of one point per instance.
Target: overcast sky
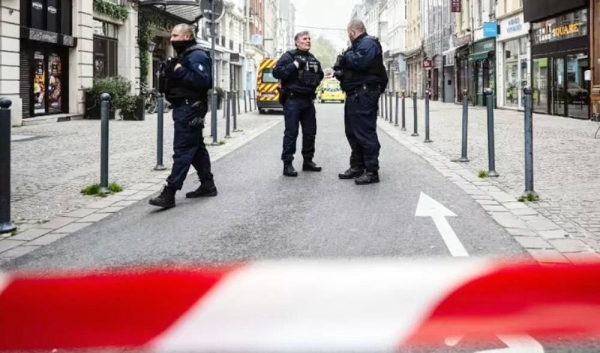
(325, 14)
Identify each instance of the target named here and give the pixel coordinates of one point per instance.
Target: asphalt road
(260, 214)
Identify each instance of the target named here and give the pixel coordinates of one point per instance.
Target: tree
(324, 50)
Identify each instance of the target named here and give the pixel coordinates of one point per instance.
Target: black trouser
(360, 118)
(188, 146)
(299, 111)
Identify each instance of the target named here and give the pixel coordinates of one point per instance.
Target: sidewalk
(565, 163)
(52, 163)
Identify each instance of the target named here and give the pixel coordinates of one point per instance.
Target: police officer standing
(300, 74)
(362, 76)
(187, 79)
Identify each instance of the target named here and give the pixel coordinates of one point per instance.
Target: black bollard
(403, 111)
(213, 116)
(245, 104)
(237, 102)
(465, 127)
(385, 103)
(254, 99)
(6, 225)
(490, 120)
(160, 118)
(380, 108)
(427, 140)
(104, 109)
(391, 107)
(415, 133)
(235, 112)
(249, 100)
(529, 141)
(396, 111)
(228, 115)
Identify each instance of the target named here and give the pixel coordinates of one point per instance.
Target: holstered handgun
(284, 94)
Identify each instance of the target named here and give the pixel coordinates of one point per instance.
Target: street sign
(205, 6)
(490, 29)
(427, 63)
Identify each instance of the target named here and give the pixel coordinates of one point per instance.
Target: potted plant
(131, 107)
(117, 87)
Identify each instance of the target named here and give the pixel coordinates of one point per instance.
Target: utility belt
(365, 87)
(186, 101)
(295, 95)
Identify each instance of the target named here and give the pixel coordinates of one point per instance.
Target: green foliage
(114, 187)
(324, 50)
(483, 174)
(94, 189)
(531, 197)
(119, 12)
(127, 106)
(144, 40)
(118, 87)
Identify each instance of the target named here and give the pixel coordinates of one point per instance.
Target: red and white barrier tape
(371, 305)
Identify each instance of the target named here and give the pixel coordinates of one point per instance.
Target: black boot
(310, 166)
(166, 199)
(288, 170)
(367, 178)
(352, 173)
(207, 188)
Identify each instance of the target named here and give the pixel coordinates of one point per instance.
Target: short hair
(300, 34)
(187, 29)
(357, 25)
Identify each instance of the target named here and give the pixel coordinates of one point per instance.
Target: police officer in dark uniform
(187, 79)
(362, 76)
(300, 74)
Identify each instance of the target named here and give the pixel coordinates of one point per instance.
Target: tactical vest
(307, 75)
(375, 73)
(175, 90)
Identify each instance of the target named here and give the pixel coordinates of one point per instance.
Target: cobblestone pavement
(565, 162)
(50, 169)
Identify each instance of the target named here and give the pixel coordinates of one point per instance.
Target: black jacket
(302, 80)
(363, 64)
(193, 79)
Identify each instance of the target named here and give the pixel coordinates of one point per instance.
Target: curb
(539, 236)
(33, 238)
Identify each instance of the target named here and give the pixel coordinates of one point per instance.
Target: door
(577, 88)
(540, 84)
(557, 89)
(436, 74)
(524, 80)
(49, 82)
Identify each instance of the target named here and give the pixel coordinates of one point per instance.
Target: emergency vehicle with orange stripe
(267, 93)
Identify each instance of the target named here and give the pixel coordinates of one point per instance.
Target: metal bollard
(529, 141)
(396, 112)
(6, 225)
(254, 99)
(104, 109)
(490, 120)
(427, 140)
(236, 103)
(245, 104)
(465, 127)
(213, 117)
(403, 112)
(391, 107)
(250, 100)
(415, 133)
(160, 104)
(380, 110)
(385, 105)
(228, 115)
(226, 94)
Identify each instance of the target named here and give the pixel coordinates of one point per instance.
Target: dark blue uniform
(363, 78)
(187, 90)
(299, 85)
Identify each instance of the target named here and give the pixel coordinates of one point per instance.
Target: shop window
(48, 79)
(105, 49)
(47, 15)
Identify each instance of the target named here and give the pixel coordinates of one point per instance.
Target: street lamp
(151, 46)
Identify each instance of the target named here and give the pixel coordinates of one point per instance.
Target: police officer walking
(187, 79)
(362, 76)
(300, 74)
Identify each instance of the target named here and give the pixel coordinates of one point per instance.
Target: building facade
(513, 53)
(560, 66)
(414, 47)
(396, 10)
(438, 30)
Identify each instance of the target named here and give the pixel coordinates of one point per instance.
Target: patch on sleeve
(200, 67)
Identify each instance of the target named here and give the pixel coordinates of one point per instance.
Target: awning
(479, 56)
(187, 11)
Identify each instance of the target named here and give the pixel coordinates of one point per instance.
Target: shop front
(44, 58)
(560, 65)
(512, 62)
(483, 69)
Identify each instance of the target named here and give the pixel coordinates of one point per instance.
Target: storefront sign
(456, 5)
(490, 29)
(68, 41)
(43, 36)
(513, 27)
(563, 27)
(481, 47)
(427, 63)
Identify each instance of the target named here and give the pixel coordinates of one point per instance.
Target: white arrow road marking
(428, 207)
